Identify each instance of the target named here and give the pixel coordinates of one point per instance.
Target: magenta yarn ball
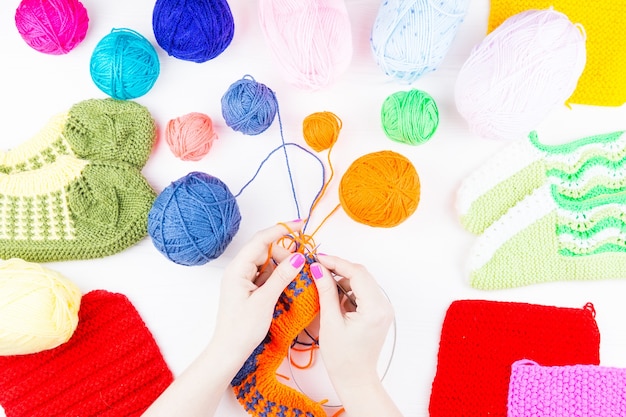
(53, 27)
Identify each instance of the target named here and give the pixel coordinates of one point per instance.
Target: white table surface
(420, 263)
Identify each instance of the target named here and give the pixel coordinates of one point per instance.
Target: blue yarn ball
(193, 30)
(248, 106)
(124, 64)
(194, 219)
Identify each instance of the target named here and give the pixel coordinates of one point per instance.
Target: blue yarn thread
(194, 219)
(124, 64)
(411, 37)
(193, 30)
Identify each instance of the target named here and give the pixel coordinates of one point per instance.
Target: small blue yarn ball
(124, 64)
(194, 219)
(193, 30)
(249, 107)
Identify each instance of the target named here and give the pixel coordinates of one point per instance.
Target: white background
(420, 263)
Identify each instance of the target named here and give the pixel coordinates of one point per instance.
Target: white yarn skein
(519, 73)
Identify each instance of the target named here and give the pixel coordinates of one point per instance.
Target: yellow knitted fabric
(603, 82)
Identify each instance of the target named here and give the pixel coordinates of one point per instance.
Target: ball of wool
(380, 189)
(310, 39)
(38, 308)
(53, 26)
(194, 219)
(248, 106)
(191, 136)
(321, 130)
(519, 73)
(409, 117)
(193, 30)
(124, 64)
(412, 37)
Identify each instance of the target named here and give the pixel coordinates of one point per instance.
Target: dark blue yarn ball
(193, 30)
(248, 106)
(194, 219)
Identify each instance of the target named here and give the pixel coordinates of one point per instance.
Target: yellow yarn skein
(38, 308)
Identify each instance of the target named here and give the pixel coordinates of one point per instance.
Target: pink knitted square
(566, 391)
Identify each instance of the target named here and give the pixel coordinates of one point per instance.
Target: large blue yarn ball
(193, 30)
(124, 64)
(249, 106)
(194, 219)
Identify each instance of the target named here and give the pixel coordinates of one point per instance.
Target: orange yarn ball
(380, 189)
(321, 130)
(191, 136)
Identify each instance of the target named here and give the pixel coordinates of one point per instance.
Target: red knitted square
(480, 340)
(111, 367)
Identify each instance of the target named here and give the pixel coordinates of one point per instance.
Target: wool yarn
(410, 38)
(190, 136)
(194, 219)
(52, 26)
(481, 339)
(380, 189)
(519, 73)
(38, 308)
(249, 106)
(124, 64)
(193, 30)
(409, 117)
(310, 39)
(321, 130)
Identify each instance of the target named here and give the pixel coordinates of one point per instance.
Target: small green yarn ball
(409, 117)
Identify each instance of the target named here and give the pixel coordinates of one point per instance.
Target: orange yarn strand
(311, 349)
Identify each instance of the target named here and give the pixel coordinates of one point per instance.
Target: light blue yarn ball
(194, 219)
(124, 64)
(412, 37)
(249, 106)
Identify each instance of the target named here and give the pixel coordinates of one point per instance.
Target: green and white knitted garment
(548, 213)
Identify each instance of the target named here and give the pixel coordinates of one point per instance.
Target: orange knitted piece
(602, 81)
(256, 385)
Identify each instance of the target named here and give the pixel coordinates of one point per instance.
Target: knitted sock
(255, 385)
(602, 81)
(97, 129)
(573, 390)
(72, 209)
(110, 367)
(573, 227)
(480, 340)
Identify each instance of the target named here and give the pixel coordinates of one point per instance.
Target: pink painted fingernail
(296, 221)
(316, 271)
(297, 260)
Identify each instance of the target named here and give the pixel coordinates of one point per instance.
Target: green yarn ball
(409, 117)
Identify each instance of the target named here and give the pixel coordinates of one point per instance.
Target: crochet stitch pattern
(72, 209)
(96, 129)
(110, 367)
(548, 212)
(255, 385)
(564, 391)
(602, 82)
(480, 340)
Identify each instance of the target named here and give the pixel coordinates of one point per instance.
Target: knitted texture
(548, 212)
(72, 209)
(255, 385)
(480, 340)
(111, 367)
(602, 81)
(565, 391)
(97, 129)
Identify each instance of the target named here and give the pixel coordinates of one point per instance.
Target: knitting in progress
(111, 367)
(563, 391)
(548, 212)
(480, 340)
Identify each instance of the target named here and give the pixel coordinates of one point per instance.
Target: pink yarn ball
(191, 136)
(52, 26)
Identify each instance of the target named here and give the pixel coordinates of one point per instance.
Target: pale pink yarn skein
(519, 73)
(310, 39)
(191, 136)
